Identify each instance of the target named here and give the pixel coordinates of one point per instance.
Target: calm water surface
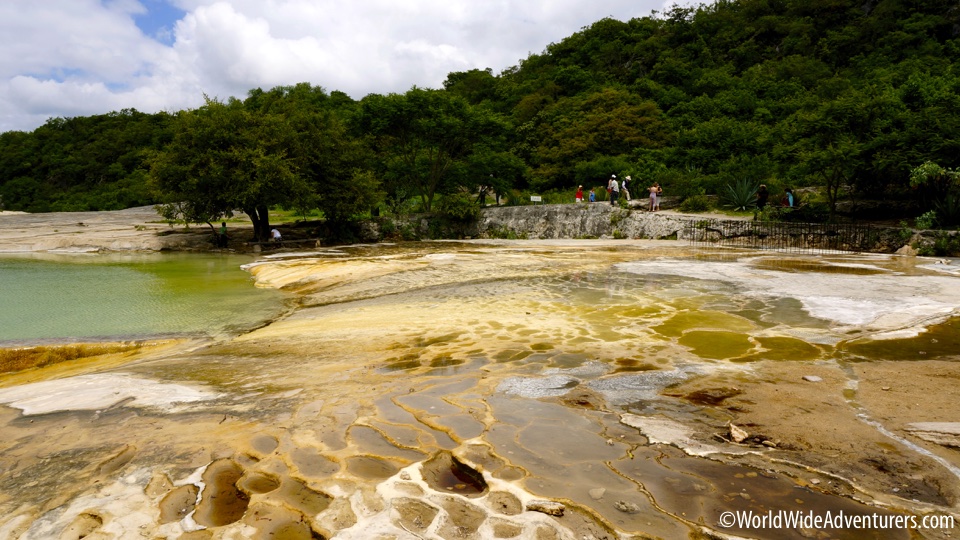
(67, 297)
(533, 362)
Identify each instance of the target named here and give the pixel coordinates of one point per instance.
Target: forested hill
(82, 163)
(846, 95)
(858, 90)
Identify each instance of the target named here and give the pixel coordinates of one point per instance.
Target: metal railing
(780, 236)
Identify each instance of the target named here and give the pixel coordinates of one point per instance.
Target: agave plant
(948, 210)
(742, 195)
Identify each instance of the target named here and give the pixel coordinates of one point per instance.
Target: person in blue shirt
(593, 196)
(788, 198)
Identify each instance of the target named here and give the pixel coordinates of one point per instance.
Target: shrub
(905, 233)
(388, 228)
(695, 203)
(927, 220)
(681, 182)
(459, 208)
(768, 213)
(505, 233)
(944, 245)
(409, 232)
(810, 212)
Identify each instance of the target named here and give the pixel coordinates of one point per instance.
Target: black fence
(779, 236)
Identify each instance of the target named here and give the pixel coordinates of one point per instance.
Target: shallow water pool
(53, 298)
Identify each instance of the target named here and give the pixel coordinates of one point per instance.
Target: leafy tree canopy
(846, 95)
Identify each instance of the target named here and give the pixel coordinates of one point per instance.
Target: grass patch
(12, 360)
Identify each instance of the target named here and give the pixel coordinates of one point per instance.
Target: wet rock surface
(509, 390)
(445, 472)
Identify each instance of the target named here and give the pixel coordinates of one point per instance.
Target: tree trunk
(264, 222)
(832, 182)
(260, 218)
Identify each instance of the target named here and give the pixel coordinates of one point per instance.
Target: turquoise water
(77, 297)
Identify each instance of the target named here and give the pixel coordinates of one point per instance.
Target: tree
(584, 128)
(489, 170)
(939, 179)
(943, 188)
(476, 85)
(224, 157)
(831, 139)
(422, 134)
(83, 163)
(328, 158)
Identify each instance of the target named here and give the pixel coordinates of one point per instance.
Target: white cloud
(84, 57)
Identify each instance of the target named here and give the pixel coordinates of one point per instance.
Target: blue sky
(65, 58)
(159, 19)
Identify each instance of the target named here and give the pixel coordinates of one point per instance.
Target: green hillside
(845, 96)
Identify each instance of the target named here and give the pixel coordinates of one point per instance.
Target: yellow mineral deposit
(527, 389)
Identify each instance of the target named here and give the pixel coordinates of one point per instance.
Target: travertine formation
(561, 389)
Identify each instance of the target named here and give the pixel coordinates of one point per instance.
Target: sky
(67, 58)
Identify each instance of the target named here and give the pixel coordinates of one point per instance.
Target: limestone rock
(660, 430)
(550, 508)
(942, 433)
(812, 378)
(907, 250)
(597, 220)
(738, 434)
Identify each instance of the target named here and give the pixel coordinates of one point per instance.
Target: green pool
(46, 297)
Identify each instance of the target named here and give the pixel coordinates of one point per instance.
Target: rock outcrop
(596, 220)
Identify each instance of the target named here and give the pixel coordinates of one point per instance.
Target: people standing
(222, 235)
(623, 187)
(653, 196)
(762, 196)
(593, 196)
(614, 188)
(579, 196)
(659, 195)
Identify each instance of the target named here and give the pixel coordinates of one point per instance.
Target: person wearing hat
(579, 197)
(614, 188)
(623, 187)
